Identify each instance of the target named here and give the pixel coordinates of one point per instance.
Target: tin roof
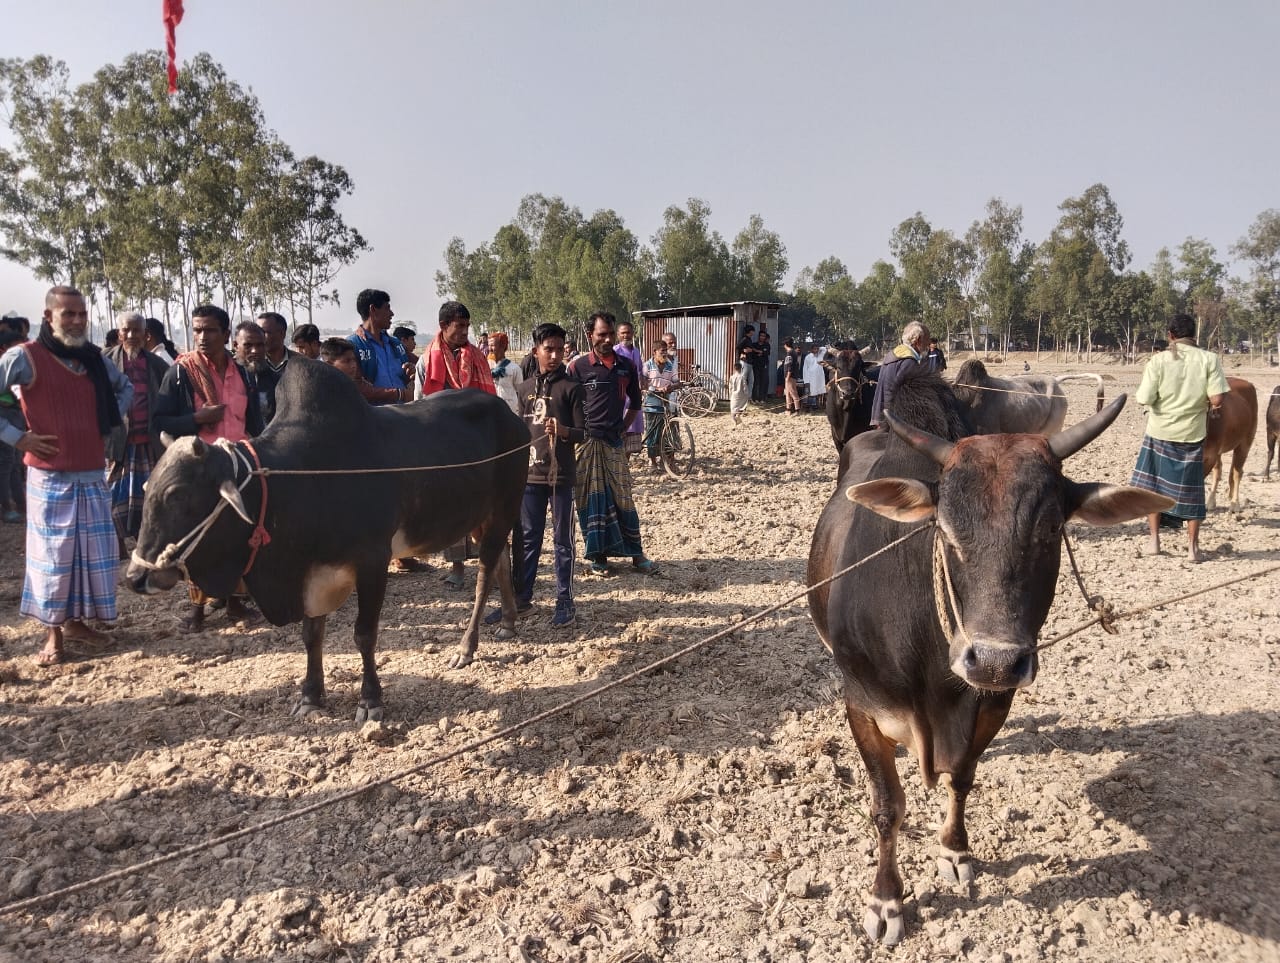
(725, 307)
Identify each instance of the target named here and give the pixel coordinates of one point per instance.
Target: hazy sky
(833, 121)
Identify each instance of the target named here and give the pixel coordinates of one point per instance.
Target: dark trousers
(760, 389)
(533, 518)
(13, 473)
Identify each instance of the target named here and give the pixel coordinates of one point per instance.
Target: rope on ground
(197, 848)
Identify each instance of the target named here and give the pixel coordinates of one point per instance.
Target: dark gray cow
(998, 503)
(1034, 404)
(322, 536)
(1273, 427)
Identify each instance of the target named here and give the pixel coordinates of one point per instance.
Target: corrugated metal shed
(707, 335)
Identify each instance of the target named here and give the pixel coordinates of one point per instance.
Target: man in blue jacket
(383, 360)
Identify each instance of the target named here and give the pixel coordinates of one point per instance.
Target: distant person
(658, 381)
(935, 359)
(275, 329)
(135, 447)
(306, 341)
(606, 510)
(552, 406)
(158, 343)
(905, 356)
(341, 354)
(251, 353)
(760, 364)
(453, 363)
(790, 366)
(111, 339)
(1182, 387)
(72, 400)
(740, 384)
(633, 439)
(508, 379)
(13, 473)
(383, 360)
(815, 378)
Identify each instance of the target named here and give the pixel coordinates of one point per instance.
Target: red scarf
(470, 369)
(202, 376)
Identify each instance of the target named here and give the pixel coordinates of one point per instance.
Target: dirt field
(715, 810)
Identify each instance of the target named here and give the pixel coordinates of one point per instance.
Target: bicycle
(675, 445)
(696, 397)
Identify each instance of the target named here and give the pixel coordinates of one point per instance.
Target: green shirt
(1177, 389)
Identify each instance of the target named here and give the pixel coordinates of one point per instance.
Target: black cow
(332, 533)
(1273, 427)
(1024, 403)
(998, 503)
(851, 385)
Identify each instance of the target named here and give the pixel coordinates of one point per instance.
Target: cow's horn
(939, 449)
(166, 439)
(231, 494)
(199, 448)
(1067, 443)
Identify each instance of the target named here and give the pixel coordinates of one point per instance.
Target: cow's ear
(166, 439)
(1100, 504)
(901, 499)
(199, 448)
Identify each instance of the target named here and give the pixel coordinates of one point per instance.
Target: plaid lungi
(606, 512)
(633, 442)
(1175, 469)
(125, 479)
(72, 552)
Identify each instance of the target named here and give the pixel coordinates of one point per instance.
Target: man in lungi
(451, 361)
(627, 347)
(611, 395)
(1181, 387)
(207, 394)
(72, 400)
(135, 447)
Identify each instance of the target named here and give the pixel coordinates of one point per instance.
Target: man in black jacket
(134, 447)
(551, 405)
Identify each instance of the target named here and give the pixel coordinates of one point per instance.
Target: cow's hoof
(956, 867)
(305, 708)
(504, 634)
(883, 921)
(461, 660)
(366, 713)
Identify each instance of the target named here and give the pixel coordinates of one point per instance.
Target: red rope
(260, 535)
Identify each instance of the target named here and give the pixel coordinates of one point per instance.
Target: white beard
(71, 341)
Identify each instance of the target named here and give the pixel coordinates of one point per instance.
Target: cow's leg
(1237, 473)
(495, 564)
(1211, 502)
(313, 682)
(371, 589)
(883, 917)
(955, 864)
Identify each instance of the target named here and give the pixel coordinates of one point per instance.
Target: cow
(1273, 427)
(303, 542)
(850, 388)
(1033, 404)
(998, 504)
(1231, 430)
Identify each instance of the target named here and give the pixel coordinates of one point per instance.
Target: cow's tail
(517, 554)
(1095, 378)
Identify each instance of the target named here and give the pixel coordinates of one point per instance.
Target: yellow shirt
(1177, 391)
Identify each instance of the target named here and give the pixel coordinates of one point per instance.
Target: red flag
(172, 17)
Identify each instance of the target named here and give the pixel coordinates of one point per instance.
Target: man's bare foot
(1194, 554)
(53, 653)
(1151, 548)
(73, 630)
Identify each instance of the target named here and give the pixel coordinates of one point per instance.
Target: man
(207, 394)
(275, 328)
(306, 341)
(896, 364)
(383, 360)
(760, 364)
(669, 339)
(408, 339)
(453, 362)
(251, 347)
(936, 360)
(341, 354)
(606, 512)
(626, 346)
(1181, 387)
(13, 473)
(134, 448)
(659, 378)
(747, 352)
(158, 343)
(72, 400)
(790, 363)
(551, 405)
(815, 378)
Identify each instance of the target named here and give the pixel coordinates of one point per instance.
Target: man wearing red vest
(72, 400)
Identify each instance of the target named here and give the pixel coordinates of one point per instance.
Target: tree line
(162, 202)
(989, 286)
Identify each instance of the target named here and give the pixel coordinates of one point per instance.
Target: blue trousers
(533, 518)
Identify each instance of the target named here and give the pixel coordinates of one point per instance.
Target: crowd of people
(80, 429)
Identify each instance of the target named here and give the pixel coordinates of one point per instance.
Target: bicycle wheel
(677, 448)
(696, 402)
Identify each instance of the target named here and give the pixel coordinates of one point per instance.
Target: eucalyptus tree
(937, 273)
(834, 296)
(693, 262)
(1003, 266)
(1200, 275)
(760, 262)
(1260, 247)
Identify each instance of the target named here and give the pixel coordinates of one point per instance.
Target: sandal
(601, 568)
(645, 566)
(47, 660)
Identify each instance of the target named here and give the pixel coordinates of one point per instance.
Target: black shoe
(494, 617)
(566, 614)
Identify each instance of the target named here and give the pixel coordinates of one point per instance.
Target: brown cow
(1231, 430)
(1273, 427)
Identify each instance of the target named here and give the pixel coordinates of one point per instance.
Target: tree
(692, 260)
(834, 296)
(760, 262)
(1003, 263)
(1261, 248)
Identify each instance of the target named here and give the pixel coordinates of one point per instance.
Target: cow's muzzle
(146, 580)
(991, 664)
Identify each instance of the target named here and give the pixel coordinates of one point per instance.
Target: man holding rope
(1181, 387)
(551, 405)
